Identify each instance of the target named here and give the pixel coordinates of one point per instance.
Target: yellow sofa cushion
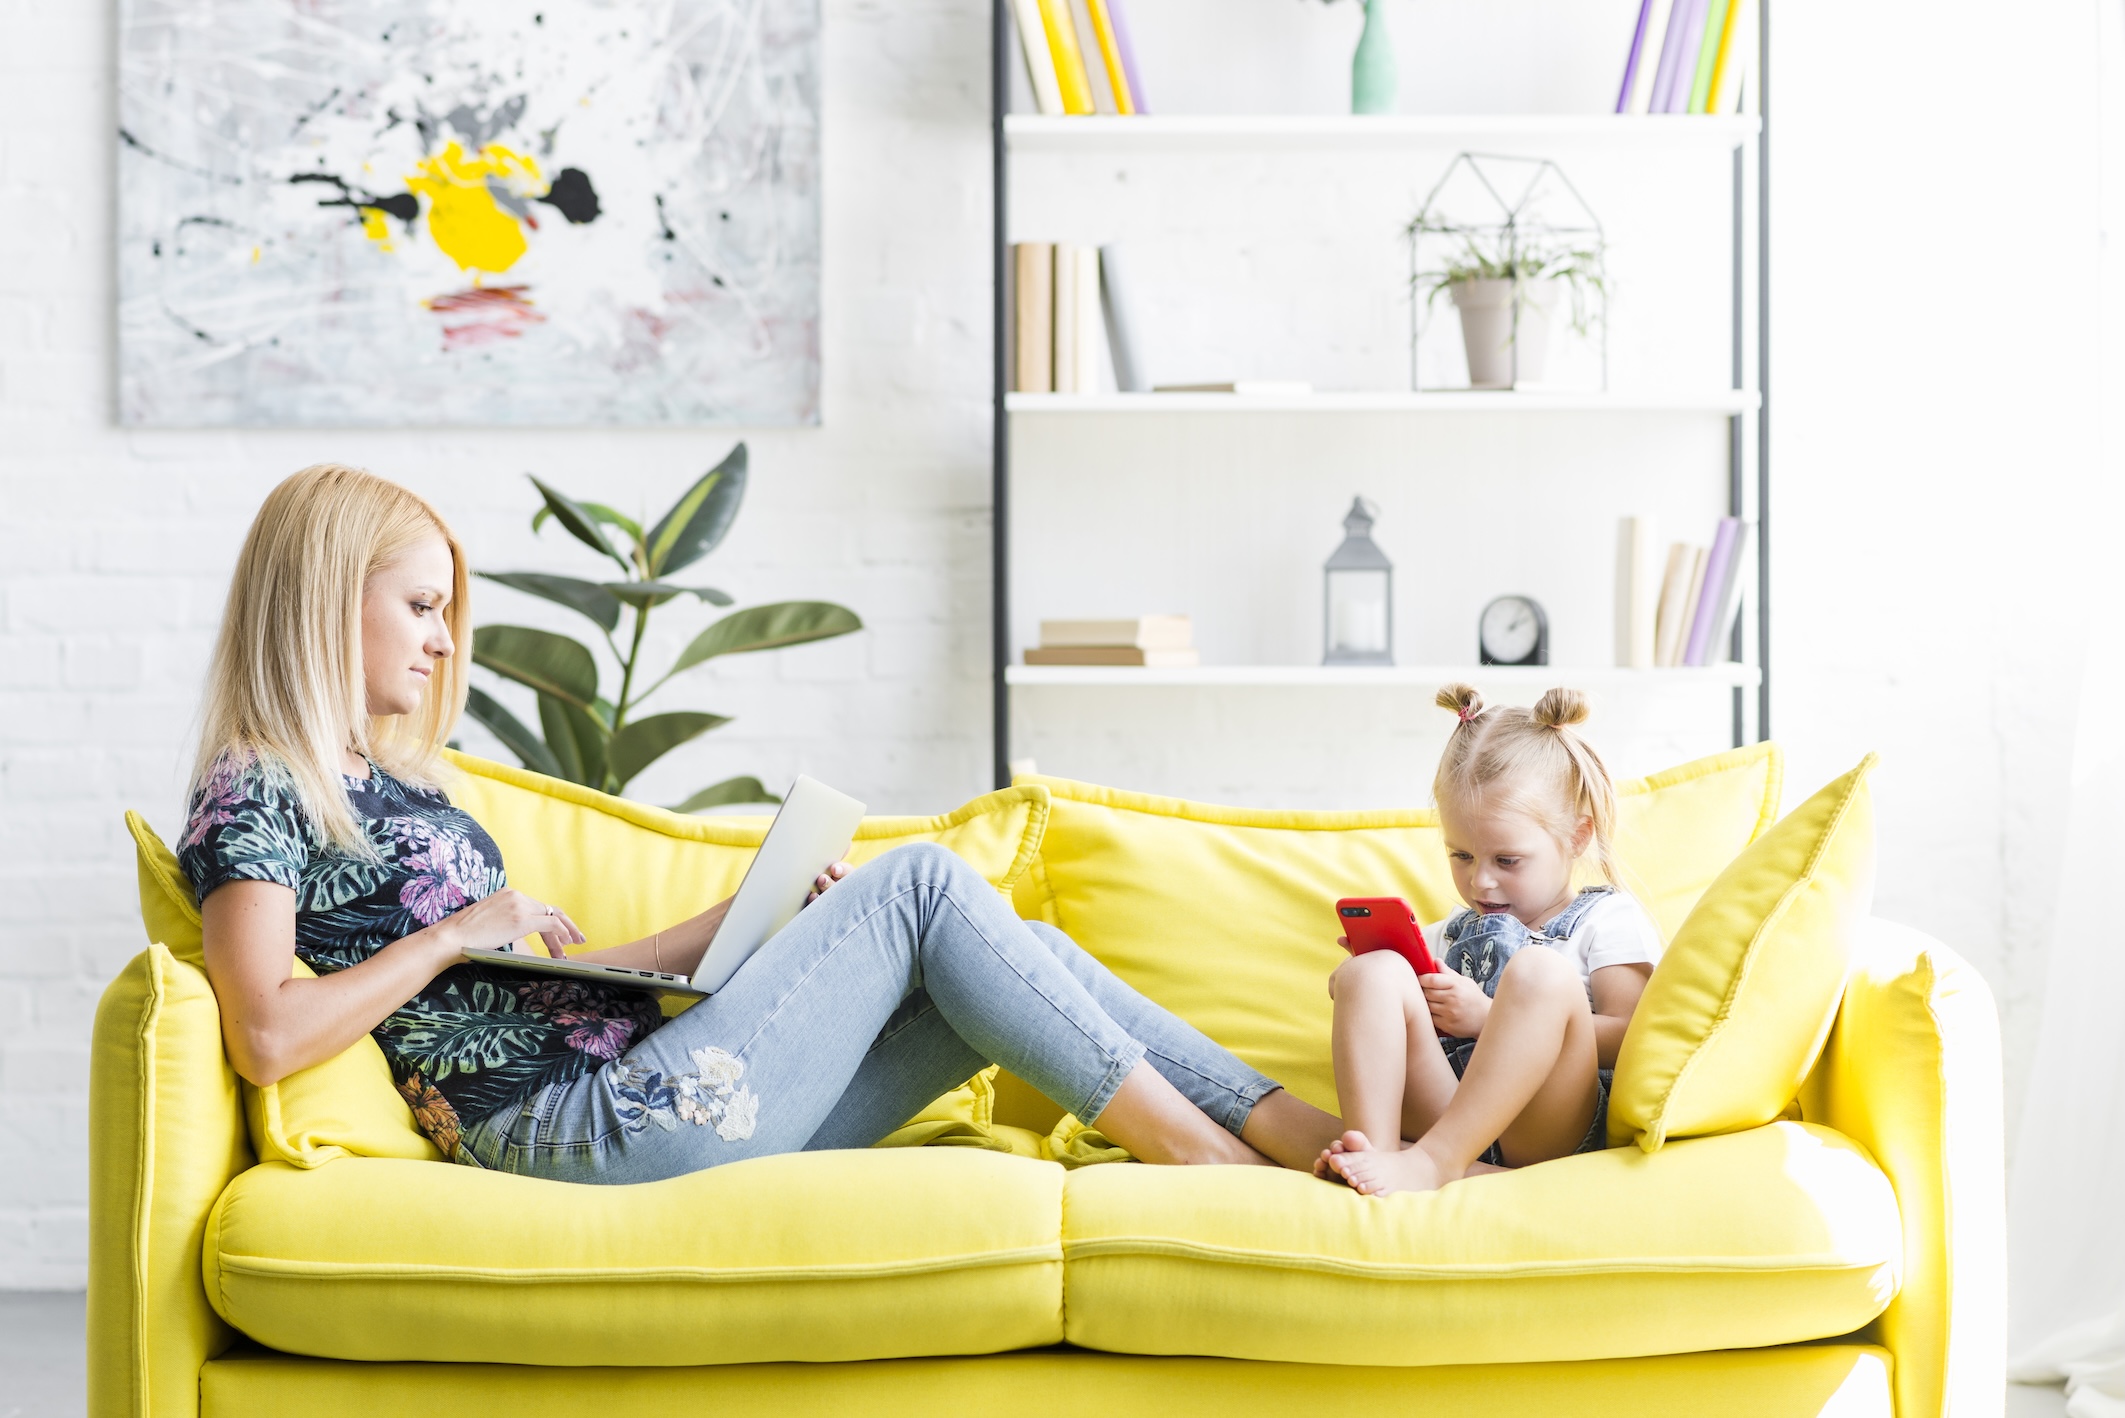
(564, 843)
(1782, 1233)
(1226, 915)
(806, 1256)
(1737, 1011)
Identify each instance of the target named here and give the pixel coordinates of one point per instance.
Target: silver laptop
(811, 830)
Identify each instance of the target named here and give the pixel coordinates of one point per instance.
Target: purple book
(1630, 65)
(1685, 30)
(1719, 570)
(1127, 50)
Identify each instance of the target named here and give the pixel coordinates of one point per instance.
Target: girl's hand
(1458, 1005)
(826, 879)
(509, 915)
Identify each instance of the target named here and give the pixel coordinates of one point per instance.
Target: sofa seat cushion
(806, 1256)
(1784, 1233)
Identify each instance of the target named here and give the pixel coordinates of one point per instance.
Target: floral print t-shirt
(476, 1038)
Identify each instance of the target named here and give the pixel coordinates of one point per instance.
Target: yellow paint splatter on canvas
(467, 223)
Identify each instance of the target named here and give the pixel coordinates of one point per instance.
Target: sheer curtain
(2066, 1208)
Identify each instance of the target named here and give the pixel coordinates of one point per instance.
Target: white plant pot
(1486, 311)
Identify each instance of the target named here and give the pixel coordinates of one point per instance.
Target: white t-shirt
(1615, 930)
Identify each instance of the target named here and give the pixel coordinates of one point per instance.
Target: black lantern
(1358, 616)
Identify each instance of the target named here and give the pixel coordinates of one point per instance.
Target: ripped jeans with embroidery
(907, 978)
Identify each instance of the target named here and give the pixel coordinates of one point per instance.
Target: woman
(316, 827)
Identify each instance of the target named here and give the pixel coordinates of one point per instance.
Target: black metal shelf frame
(1000, 59)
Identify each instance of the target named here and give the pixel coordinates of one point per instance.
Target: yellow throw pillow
(622, 870)
(1226, 916)
(1738, 1009)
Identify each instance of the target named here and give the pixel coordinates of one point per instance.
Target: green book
(1715, 24)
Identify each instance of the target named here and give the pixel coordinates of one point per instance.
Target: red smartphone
(1385, 923)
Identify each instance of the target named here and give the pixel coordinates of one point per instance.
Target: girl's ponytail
(1560, 707)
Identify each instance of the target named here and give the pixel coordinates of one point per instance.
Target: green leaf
(645, 741)
(530, 749)
(697, 521)
(768, 627)
(585, 597)
(552, 664)
(578, 741)
(730, 790)
(578, 520)
(599, 512)
(641, 594)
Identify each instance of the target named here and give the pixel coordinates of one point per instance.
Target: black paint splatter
(142, 148)
(403, 205)
(662, 225)
(574, 196)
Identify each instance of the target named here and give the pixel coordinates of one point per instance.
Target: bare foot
(1322, 1167)
(1477, 1169)
(1372, 1172)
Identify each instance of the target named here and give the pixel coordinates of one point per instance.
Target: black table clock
(1513, 631)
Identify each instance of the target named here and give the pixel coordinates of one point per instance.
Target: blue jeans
(911, 975)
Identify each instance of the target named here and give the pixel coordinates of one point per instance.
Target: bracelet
(656, 953)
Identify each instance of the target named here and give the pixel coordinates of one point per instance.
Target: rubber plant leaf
(577, 519)
(642, 594)
(767, 628)
(577, 740)
(530, 749)
(600, 512)
(728, 792)
(698, 520)
(643, 742)
(584, 597)
(552, 664)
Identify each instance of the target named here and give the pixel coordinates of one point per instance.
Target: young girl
(1505, 1058)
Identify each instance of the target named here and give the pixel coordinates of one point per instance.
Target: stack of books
(1160, 641)
(1683, 614)
(1706, 58)
(1056, 36)
(1062, 294)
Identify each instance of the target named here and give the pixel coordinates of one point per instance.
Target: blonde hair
(286, 684)
(1530, 761)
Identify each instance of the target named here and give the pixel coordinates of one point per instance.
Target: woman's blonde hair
(1530, 761)
(286, 682)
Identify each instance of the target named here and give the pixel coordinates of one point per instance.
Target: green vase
(1372, 69)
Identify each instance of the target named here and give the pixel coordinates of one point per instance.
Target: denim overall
(1477, 946)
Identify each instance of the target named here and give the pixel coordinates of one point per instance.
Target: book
(1033, 311)
(1715, 25)
(1124, 51)
(1066, 319)
(1718, 565)
(1113, 655)
(1637, 593)
(1118, 299)
(1250, 388)
(1698, 557)
(1671, 49)
(1727, 67)
(1096, 78)
(1722, 596)
(1630, 63)
(1142, 632)
(1084, 318)
(1040, 62)
(1674, 588)
(1069, 60)
(1658, 15)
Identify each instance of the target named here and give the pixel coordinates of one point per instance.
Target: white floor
(42, 1355)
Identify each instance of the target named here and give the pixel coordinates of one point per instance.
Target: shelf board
(1030, 132)
(1371, 677)
(1461, 401)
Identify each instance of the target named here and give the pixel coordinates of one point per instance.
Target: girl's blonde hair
(1530, 761)
(286, 682)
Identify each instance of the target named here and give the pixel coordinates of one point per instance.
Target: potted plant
(599, 741)
(1505, 292)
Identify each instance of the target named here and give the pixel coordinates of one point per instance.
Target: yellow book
(1730, 41)
(1110, 55)
(1069, 60)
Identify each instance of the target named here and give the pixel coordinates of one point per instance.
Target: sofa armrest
(166, 1135)
(1912, 1073)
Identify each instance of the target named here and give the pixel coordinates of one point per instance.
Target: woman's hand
(1458, 1005)
(508, 916)
(827, 878)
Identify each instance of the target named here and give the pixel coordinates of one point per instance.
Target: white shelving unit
(1396, 143)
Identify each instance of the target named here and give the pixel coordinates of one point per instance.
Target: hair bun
(1461, 700)
(1560, 707)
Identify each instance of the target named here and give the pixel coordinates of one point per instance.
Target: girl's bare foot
(1373, 1172)
(1323, 1169)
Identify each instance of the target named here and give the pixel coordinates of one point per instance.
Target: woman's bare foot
(1371, 1171)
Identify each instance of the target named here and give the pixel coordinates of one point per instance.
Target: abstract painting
(473, 212)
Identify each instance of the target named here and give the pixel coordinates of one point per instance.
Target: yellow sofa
(303, 1249)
